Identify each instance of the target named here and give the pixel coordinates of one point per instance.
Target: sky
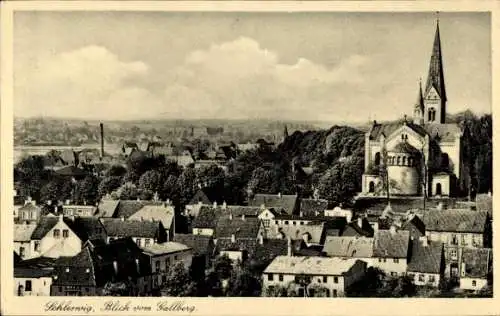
(335, 66)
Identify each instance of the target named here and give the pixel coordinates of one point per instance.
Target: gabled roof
(163, 213)
(45, 224)
(238, 210)
(30, 207)
(311, 206)
(127, 208)
(88, 228)
(23, 232)
(63, 246)
(405, 148)
(316, 232)
(477, 262)
(442, 132)
(355, 247)
(241, 228)
(435, 77)
(425, 258)
(207, 218)
(391, 245)
(416, 222)
(107, 207)
(286, 202)
(310, 265)
(200, 244)
(116, 227)
(455, 220)
(77, 270)
(352, 229)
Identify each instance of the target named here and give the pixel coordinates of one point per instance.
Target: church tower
(419, 108)
(435, 93)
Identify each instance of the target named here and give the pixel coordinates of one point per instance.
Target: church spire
(420, 98)
(285, 132)
(435, 78)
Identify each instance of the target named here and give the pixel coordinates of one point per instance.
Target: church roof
(404, 147)
(437, 131)
(442, 132)
(420, 99)
(435, 78)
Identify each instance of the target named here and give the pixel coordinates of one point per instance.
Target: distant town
(258, 209)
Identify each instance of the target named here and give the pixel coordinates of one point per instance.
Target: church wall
(453, 151)
(406, 179)
(413, 138)
(365, 182)
(444, 180)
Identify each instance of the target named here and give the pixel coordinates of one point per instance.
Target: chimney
(279, 195)
(122, 218)
(102, 139)
(224, 205)
(360, 222)
(233, 238)
(289, 246)
(66, 202)
(231, 215)
(115, 266)
(61, 218)
(348, 217)
(262, 207)
(215, 204)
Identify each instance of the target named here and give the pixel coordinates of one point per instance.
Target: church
(419, 155)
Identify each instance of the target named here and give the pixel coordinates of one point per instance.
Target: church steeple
(419, 108)
(435, 92)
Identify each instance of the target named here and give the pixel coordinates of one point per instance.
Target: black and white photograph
(251, 154)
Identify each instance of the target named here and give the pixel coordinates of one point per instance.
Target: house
(391, 250)
(350, 247)
(339, 212)
(54, 237)
(29, 212)
(145, 232)
(335, 275)
(267, 216)
(289, 203)
(163, 256)
(30, 281)
(128, 148)
(184, 159)
(426, 264)
(414, 225)
(127, 208)
(206, 221)
(313, 207)
(202, 246)
(476, 268)
(163, 213)
(311, 234)
(19, 201)
(106, 207)
(87, 273)
(457, 229)
(229, 227)
(22, 239)
(79, 210)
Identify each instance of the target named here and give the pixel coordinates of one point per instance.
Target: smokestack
(102, 139)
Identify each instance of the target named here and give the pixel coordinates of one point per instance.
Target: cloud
(235, 79)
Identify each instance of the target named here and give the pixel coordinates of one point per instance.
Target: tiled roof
(77, 270)
(416, 222)
(425, 258)
(399, 205)
(286, 202)
(22, 232)
(165, 248)
(107, 207)
(63, 246)
(207, 218)
(477, 262)
(238, 211)
(116, 227)
(38, 263)
(391, 245)
(352, 229)
(199, 243)
(31, 273)
(355, 247)
(241, 228)
(311, 206)
(310, 265)
(45, 224)
(163, 213)
(442, 132)
(404, 147)
(315, 231)
(88, 228)
(127, 208)
(455, 220)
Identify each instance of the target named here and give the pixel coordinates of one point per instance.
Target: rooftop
(456, 220)
(310, 265)
(356, 247)
(165, 248)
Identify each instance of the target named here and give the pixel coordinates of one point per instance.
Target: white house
(22, 239)
(32, 282)
(53, 237)
(339, 212)
(390, 251)
(475, 268)
(350, 247)
(335, 275)
(426, 263)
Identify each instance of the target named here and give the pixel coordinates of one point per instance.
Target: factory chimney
(102, 139)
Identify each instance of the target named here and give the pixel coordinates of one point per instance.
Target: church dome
(404, 148)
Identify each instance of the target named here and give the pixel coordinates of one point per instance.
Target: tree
(317, 290)
(186, 184)
(56, 190)
(109, 184)
(242, 283)
(150, 180)
(178, 282)
(128, 191)
(116, 171)
(276, 291)
(86, 190)
(223, 266)
(169, 189)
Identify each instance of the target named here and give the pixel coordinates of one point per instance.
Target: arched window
(404, 161)
(399, 161)
(438, 189)
(371, 187)
(377, 159)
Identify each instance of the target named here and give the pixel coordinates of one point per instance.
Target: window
(421, 277)
(21, 252)
(294, 223)
(37, 246)
(385, 259)
(138, 241)
(399, 161)
(335, 279)
(411, 275)
(57, 233)
(454, 239)
(27, 288)
(65, 233)
(163, 278)
(286, 222)
(432, 278)
(334, 293)
(371, 187)
(276, 222)
(176, 257)
(379, 259)
(473, 283)
(453, 254)
(325, 279)
(147, 241)
(463, 240)
(281, 277)
(301, 223)
(377, 159)
(270, 277)
(404, 161)
(157, 266)
(396, 260)
(266, 222)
